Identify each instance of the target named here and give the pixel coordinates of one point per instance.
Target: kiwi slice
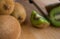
(55, 16)
(38, 20)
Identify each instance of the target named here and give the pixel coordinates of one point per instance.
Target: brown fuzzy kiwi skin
(43, 25)
(9, 27)
(19, 12)
(6, 7)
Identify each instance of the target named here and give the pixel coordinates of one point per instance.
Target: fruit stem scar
(19, 18)
(6, 7)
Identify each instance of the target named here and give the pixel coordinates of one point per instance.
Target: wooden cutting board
(29, 32)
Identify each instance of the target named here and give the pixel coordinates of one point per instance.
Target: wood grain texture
(29, 32)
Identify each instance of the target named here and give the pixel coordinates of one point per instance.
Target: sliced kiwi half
(38, 20)
(55, 16)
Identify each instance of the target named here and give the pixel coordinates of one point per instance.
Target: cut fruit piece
(55, 16)
(38, 20)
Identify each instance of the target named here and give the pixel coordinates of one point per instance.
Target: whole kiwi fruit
(6, 7)
(19, 12)
(10, 28)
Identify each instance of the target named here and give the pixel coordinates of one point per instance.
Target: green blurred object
(55, 16)
(37, 19)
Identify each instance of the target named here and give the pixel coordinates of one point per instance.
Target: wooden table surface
(29, 32)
